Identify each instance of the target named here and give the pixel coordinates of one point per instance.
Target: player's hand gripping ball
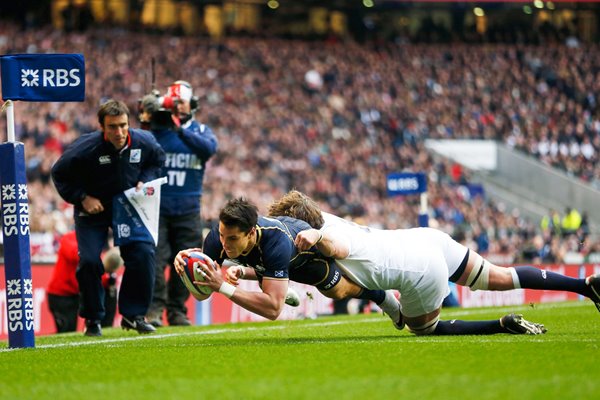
(193, 272)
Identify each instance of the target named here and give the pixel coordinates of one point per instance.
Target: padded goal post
(27, 77)
(407, 183)
(17, 256)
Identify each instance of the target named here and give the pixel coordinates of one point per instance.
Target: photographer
(188, 146)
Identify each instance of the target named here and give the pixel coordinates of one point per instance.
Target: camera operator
(188, 146)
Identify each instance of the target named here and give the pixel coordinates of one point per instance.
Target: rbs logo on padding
(50, 77)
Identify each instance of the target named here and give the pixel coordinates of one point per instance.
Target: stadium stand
(332, 120)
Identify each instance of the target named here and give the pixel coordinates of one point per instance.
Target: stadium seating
(333, 119)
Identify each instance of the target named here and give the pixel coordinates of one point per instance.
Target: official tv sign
(43, 77)
(405, 183)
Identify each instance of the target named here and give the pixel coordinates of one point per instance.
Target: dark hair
(297, 205)
(113, 108)
(239, 213)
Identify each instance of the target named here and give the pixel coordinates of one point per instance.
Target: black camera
(155, 112)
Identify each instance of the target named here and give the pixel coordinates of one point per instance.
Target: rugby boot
(137, 323)
(517, 325)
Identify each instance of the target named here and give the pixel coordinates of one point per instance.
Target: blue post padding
(17, 257)
(423, 220)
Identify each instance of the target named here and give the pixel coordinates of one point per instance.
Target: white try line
(446, 313)
(97, 341)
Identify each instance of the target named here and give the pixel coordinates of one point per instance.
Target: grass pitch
(349, 357)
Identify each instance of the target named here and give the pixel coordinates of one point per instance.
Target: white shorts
(424, 291)
(416, 262)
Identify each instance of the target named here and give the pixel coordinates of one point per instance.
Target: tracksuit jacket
(92, 166)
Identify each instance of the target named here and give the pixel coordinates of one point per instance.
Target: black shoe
(179, 319)
(92, 328)
(515, 324)
(137, 323)
(593, 281)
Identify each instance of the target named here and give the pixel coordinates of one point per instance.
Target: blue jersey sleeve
(68, 171)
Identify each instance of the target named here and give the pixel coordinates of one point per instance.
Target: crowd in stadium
(332, 120)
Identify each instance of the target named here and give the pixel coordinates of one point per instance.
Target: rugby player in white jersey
(419, 263)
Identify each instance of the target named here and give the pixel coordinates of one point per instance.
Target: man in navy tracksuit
(187, 149)
(92, 170)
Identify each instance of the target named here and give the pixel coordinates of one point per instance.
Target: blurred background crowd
(332, 116)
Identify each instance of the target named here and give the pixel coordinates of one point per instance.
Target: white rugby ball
(193, 269)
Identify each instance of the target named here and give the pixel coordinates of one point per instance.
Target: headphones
(194, 101)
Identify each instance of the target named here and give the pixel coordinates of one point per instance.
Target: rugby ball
(193, 269)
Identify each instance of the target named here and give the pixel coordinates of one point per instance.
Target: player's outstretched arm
(268, 303)
(326, 241)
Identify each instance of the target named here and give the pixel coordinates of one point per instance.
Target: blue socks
(535, 278)
(458, 327)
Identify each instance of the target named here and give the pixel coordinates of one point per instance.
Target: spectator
(551, 223)
(63, 289)
(571, 221)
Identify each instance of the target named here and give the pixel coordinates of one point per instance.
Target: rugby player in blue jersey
(264, 248)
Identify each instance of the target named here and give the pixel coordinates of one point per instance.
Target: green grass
(349, 357)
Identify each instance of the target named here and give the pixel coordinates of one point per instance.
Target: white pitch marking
(430, 339)
(167, 335)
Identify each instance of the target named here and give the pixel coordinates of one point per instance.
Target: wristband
(227, 289)
(320, 237)
(242, 272)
